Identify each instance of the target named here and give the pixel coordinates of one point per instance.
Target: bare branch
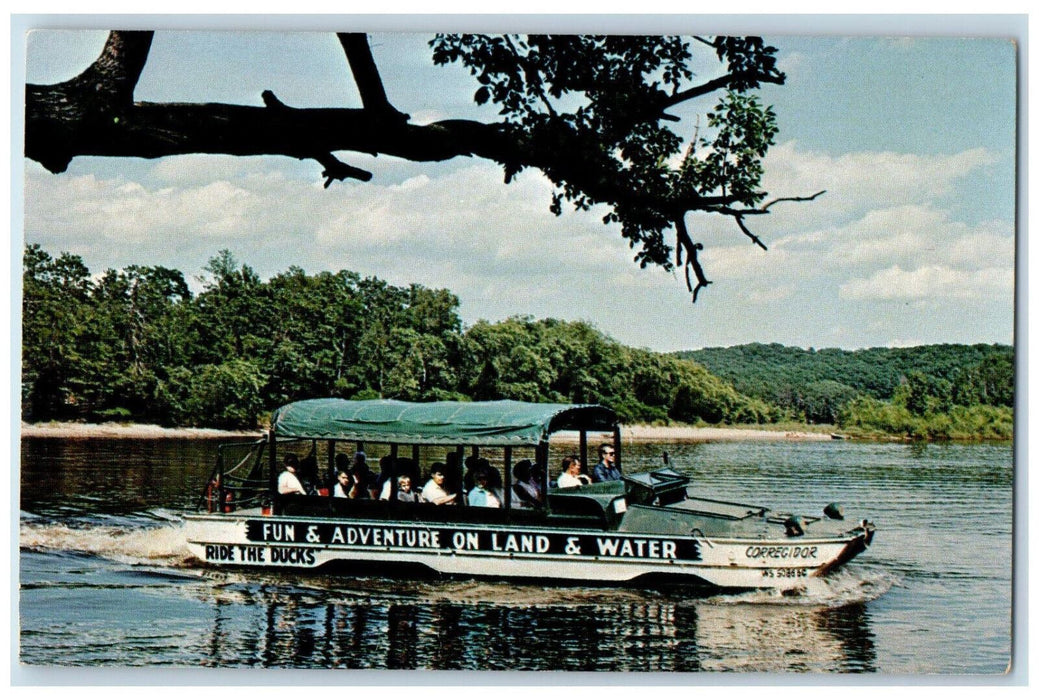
(95, 114)
(701, 280)
(102, 94)
(272, 101)
(692, 258)
(765, 208)
(366, 75)
(697, 91)
(728, 211)
(747, 232)
(336, 169)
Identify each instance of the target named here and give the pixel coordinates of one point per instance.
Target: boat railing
(228, 489)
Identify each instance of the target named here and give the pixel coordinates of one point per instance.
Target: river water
(104, 581)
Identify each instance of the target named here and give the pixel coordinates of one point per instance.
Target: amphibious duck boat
(646, 527)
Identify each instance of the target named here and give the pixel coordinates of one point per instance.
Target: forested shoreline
(137, 345)
(931, 391)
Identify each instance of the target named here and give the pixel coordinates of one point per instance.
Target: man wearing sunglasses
(606, 469)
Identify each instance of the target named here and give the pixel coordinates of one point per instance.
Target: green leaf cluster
(590, 111)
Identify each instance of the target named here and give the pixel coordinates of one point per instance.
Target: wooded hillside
(136, 344)
(835, 386)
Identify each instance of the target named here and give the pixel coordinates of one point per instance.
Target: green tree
(137, 332)
(314, 342)
(226, 395)
(503, 361)
(233, 317)
(921, 394)
(55, 306)
(990, 382)
(820, 402)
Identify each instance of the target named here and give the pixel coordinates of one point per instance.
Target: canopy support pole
(508, 484)
(541, 457)
(331, 476)
(617, 448)
(584, 451)
(394, 472)
(272, 477)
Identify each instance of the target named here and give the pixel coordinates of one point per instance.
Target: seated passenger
(404, 492)
(527, 494)
(288, 482)
(379, 484)
(572, 475)
(342, 464)
(607, 469)
(343, 485)
(360, 477)
(434, 491)
(483, 495)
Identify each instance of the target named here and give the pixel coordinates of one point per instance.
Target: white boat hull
(249, 539)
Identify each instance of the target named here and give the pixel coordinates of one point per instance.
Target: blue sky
(912, 137)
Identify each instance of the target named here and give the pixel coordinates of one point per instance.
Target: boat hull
(253, 540)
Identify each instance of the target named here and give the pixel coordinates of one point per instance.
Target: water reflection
(670, 635)
(850, 623)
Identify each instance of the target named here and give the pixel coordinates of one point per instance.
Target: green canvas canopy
(490, 423)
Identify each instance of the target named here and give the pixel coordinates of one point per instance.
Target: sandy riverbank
(650, 433)
(128, 431)
(634, 433)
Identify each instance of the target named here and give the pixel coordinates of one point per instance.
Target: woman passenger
(572, 475)
(435, 491)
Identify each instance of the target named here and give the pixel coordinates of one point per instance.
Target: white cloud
(122, 211)
(902, 43)
(857, 182)
(767, 295)
(930, 282)
(501, 250)
(910, 235)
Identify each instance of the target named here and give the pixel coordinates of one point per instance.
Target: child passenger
(483, 495)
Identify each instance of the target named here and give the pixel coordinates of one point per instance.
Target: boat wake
(844, 587)
(160, 542)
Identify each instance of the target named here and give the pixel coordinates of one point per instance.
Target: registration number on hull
(784, 573)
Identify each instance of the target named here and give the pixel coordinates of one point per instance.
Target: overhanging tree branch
(611, 149)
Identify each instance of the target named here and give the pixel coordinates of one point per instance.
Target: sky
(912, 137)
